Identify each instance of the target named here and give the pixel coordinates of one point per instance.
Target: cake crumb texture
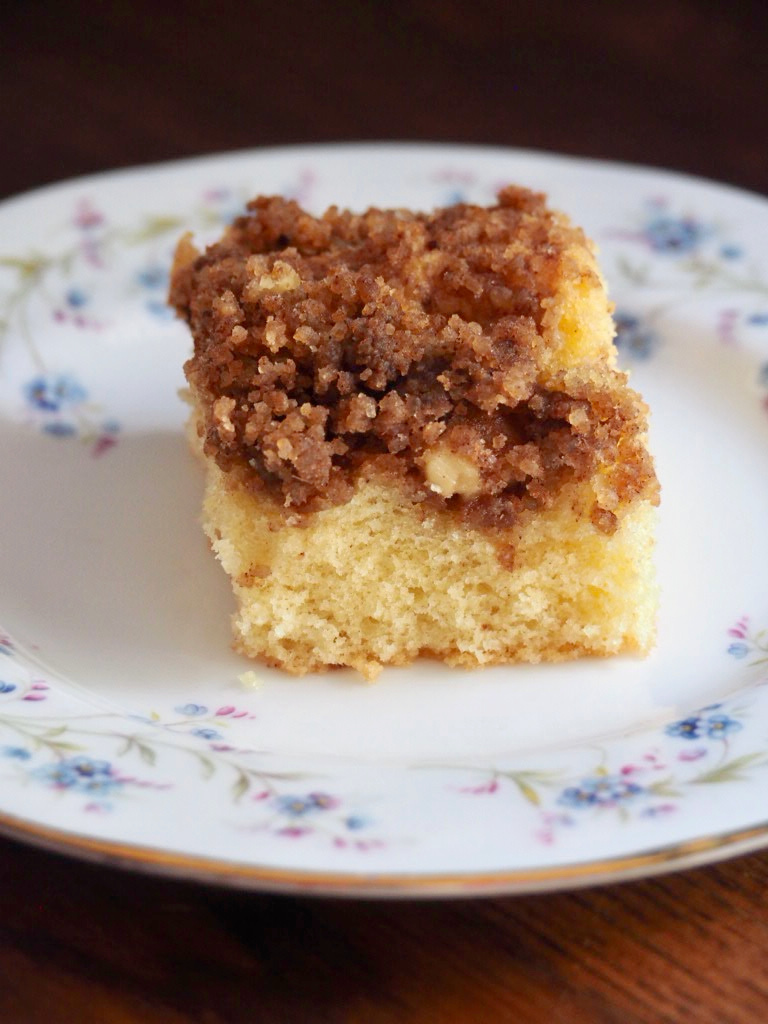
(372, 582)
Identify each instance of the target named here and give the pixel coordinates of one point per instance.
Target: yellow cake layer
(377, 581)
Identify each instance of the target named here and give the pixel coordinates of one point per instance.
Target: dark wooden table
(86, 87)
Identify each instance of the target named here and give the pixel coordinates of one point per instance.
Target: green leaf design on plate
(733, 770)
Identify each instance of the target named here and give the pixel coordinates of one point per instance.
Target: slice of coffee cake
(416, 438)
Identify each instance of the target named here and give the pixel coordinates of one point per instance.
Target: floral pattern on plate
(53, 747)
(56, 400)
(693, 255)
(647, 777)
(207, 769)
(650, 785)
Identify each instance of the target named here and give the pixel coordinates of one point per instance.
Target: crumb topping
(406, 345)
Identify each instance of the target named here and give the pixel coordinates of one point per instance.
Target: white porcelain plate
(130, 732)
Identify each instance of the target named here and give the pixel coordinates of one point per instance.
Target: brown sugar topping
(403, 344)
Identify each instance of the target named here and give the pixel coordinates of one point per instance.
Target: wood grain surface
(90, 945)
(89, 86)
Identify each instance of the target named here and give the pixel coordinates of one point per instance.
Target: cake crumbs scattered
(250, 681)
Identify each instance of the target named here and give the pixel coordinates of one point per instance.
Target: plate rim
(666, 857)
(663, 859)
(391, 145)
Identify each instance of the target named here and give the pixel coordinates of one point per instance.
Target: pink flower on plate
(94, 807)
(692, 755)
(102, 444)
(484, 788)
(87, 216)
(658, 810)
(229, 710)
(741, 629)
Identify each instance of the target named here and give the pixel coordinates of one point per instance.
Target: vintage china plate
(130, 733)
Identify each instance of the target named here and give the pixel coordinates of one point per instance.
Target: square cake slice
(416, 439)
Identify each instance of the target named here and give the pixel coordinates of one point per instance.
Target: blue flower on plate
(686, 728)
(51, 392)
(16, 753)
(153, 276)
(76, 298)
(207, 734)
(191, 710)
(731, 252)
(719, 726)
(87, 768)
(298, 806)
(715, 727)
(600, 791)
(633, 335)
(294, 806)
(738, 650)
(674, 234)
(356, 821)
(80, 773)
(60, 428)
(59, 774)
